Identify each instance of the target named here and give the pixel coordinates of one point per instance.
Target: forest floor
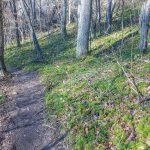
(22, 117)
(91, 97)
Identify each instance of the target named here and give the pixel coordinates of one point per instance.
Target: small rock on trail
(22, 116)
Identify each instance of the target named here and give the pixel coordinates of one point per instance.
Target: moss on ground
(2, 98)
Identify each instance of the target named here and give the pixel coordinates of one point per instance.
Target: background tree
(108, 14)
(94, 18)
(33, 35)
(15, 14)
(144, 26)
(63, 18)
(33, 8)
(2, 63)
(83, 28)
(98, 10)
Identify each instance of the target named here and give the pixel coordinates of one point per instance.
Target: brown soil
(22, 117)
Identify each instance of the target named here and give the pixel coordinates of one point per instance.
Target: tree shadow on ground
(115, 45)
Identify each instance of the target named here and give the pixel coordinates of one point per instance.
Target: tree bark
(108, 14)
(78, 13)
(64, 18)
(33, 35)
(99, 13)
(94, 20)
(14, 11)
(83, 28)
(69, 11)
(2, 63)
(34, 10)
(144, 25)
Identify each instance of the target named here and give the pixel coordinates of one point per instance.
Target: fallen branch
(146, 61)
(132, 82)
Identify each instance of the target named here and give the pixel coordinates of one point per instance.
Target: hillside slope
(94, 97)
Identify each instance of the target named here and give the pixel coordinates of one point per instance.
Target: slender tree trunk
(34, 10)
(99, 14)
(33, 35)
(79, 8)
(122, 14)
(2, 63)
(16, 23)
(64, 18)
(144, 25)
(83, 28)
(109, 14)
(40, 16)
(94, 20)
(134, 12)
(22, 32)
(69, 11)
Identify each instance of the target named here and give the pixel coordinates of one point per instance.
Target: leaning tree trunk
(64, 18)
(33, 35)
(83, 28)
(14, 11)
(144, 25)
(2, 63)
(32, 4)
(34, 10)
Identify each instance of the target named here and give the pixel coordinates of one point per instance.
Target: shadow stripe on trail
(59, 139)
(23, 126)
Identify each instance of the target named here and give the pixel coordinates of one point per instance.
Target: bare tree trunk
(109, 14)
(14, 11)
(34, 10)
(83, 28)
(99, 13)
(69, 11)
(2, 63)
(144, 25)
(33, 35)
(40, 12)
(64, 18)
(94, 20)
(79, 8)
(134, 12)
(22, 32)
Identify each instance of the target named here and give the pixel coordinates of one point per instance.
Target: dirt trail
(22, 123)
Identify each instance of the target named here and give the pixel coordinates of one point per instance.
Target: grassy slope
(91, 96)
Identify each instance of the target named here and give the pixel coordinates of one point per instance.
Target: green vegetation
(92, 96)
(2, 98)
